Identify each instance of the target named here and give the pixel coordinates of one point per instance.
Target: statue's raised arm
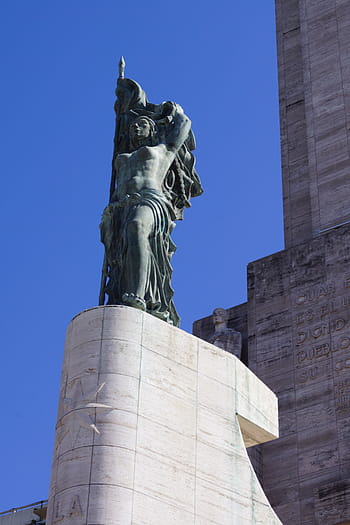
(174, 126)
(153, 179)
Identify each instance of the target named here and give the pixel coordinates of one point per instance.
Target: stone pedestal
(151, 427)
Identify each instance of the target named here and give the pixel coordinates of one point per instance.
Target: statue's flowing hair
(182, 181)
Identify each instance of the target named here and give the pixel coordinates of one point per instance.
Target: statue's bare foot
(130, 299)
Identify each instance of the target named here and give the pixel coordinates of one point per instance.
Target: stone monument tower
(296, 324)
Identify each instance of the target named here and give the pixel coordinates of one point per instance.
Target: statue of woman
(153, 178)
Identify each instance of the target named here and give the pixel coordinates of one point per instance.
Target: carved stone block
(150, 427)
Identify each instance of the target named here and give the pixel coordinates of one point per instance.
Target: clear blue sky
(59, 67)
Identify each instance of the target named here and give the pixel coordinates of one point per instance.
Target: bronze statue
(153, 179)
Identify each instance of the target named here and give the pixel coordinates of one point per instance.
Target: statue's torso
(143, 169)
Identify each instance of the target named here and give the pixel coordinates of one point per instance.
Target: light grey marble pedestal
(151, 427)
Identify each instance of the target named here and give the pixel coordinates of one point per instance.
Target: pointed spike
(121, 67)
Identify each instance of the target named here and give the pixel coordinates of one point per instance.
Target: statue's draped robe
(158, 293)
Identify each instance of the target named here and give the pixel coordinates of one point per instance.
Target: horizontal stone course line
(97, 373)
(101, 339)
(158, 352)
(296, 28)
(90, 484)
(94, 446)
(228, 493)
(165, 426)
(164, 460)
(166, 391)
(168, 500)
(155, 498)
(111, 409)
(83, 312)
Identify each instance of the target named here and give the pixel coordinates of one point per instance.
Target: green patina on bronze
(153, 179)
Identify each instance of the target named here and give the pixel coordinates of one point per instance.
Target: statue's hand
(164, 111)
(165, 121)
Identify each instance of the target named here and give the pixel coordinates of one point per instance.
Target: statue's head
(219, 317)
(142, 132)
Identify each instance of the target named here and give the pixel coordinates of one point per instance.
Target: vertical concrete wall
(151, 427)
(313, 40)
(299, 334)
(299, 345)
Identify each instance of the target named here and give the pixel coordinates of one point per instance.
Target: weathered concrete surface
(151, 425)
(299, 345)
(299, 334)
(313, 40)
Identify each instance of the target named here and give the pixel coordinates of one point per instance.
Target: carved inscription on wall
(69, 508)
(79, 409)
(321, 330)
(342, 395)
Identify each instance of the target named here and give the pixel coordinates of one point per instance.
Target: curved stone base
(147, 429)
